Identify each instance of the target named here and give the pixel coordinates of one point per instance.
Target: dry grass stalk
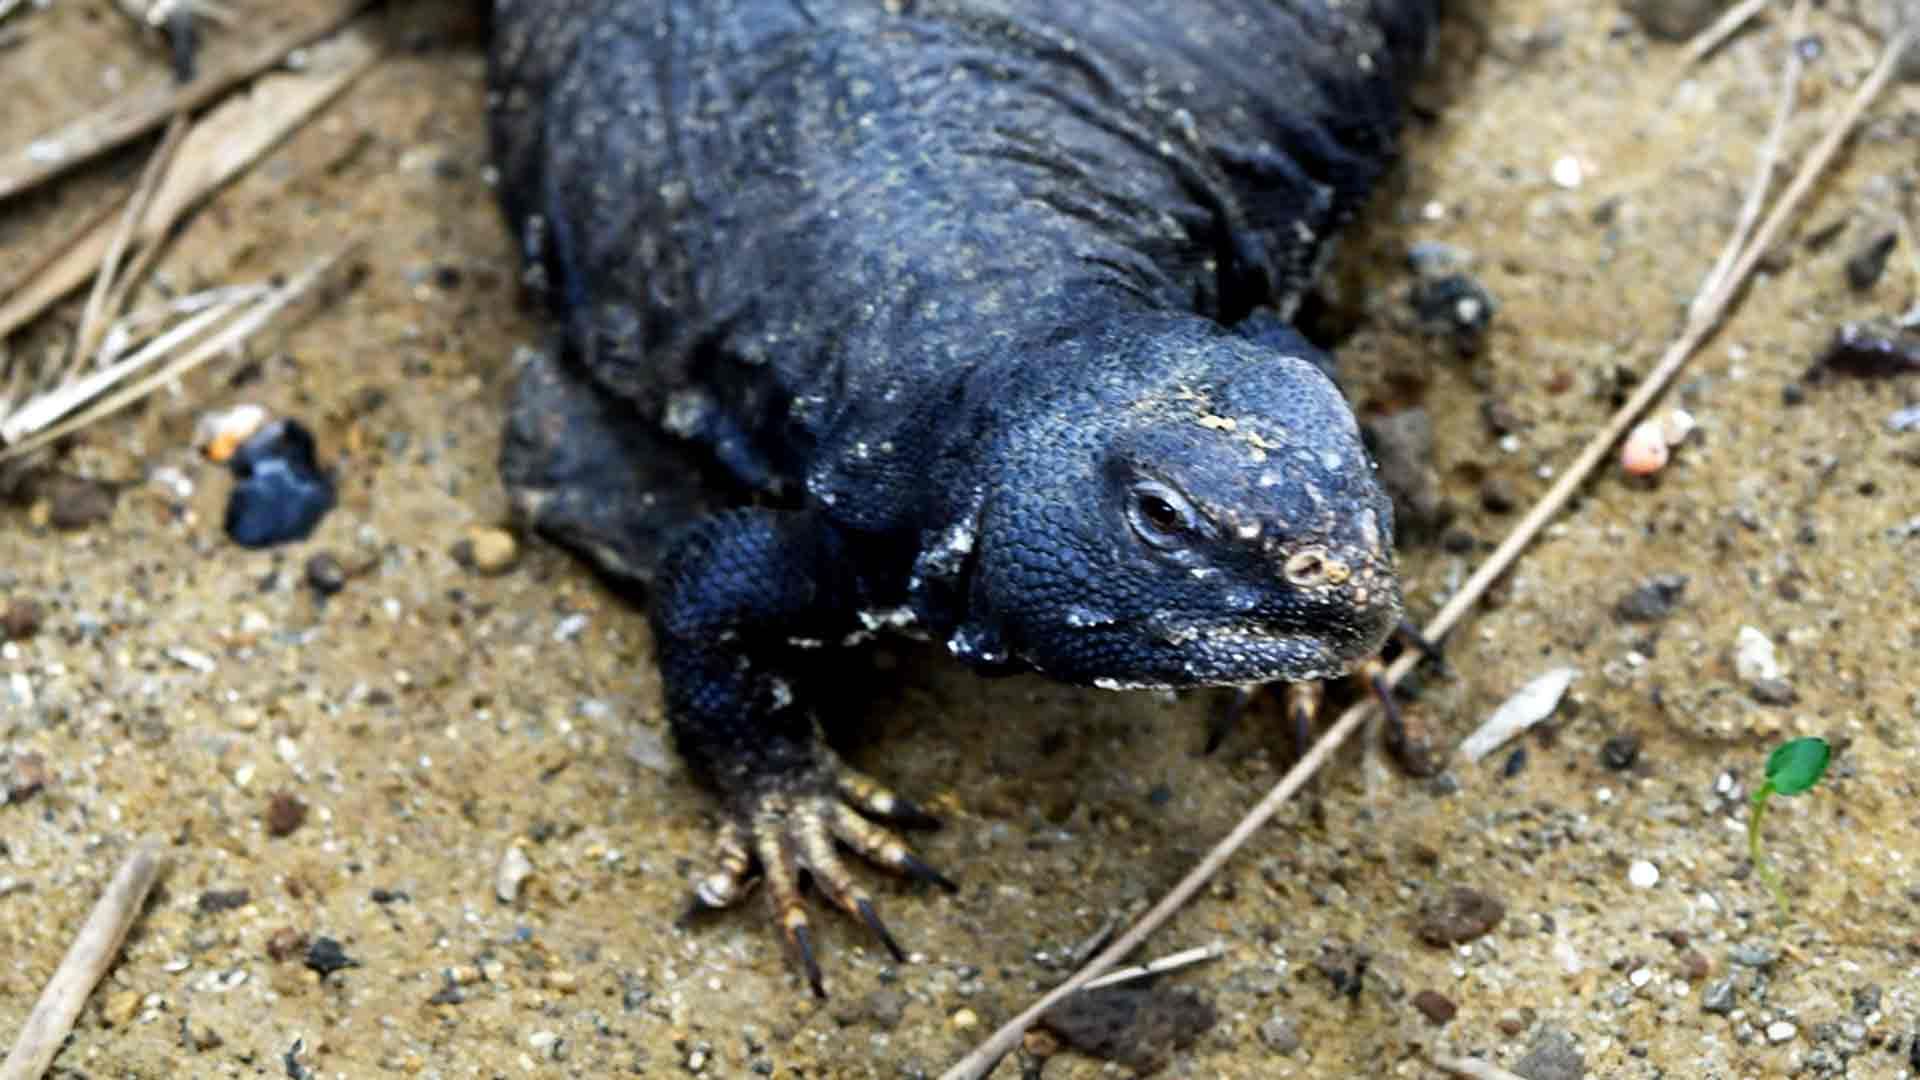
(134, 114)
(91, 408)
(1727, 25)
(89, 957)
(1185, 958)
(1702, 320)
(220, 145)
(106, 283)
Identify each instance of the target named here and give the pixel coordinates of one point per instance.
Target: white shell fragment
(1534, 703)
(221, 431)
(512, 872)
(1753, 657)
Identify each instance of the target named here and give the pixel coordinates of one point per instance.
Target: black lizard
(962, 318)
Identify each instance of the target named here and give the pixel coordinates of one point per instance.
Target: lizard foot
(789, 829)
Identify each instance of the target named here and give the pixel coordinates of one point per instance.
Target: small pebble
(1866, 265)
(1674, 20)
(76, 503)
(1620, 752)
(487, 549)
(1553, 1056)
(514, 870)
(964, 1020)
(326, 956)
(1567, 172)
(1280, 1035)
(1644, 452)
(325, 574)
(1434, 1006)
(284, 943)
(285, 813)
(20, 621)
(1753, 657)
(1458, 915)
(1780, 1031)
(29, 776)
(1643, 874)
(1718, 997)
(1652, 600)
(220, 432)
(1694, 965)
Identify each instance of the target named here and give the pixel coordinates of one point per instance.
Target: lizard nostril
(1306, 569)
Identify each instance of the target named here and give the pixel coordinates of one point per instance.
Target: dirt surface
(431, 719)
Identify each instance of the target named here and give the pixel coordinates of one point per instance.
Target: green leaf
(1795, 766)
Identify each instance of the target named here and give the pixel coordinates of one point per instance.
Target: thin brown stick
(1723, 28)
(1769, 156)
(89, 957)
(130, 116)
(1700, 325)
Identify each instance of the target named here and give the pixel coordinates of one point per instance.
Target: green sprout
(1792, 768)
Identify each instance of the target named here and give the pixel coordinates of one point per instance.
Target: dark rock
(214, 901)
(1434, 1006)
(1868, 351)
(1459, 915)
(325, 574)
(279, 492)
(1867, 264)
(20, 621)
(1139, 1027)
(1620, 752)
(285, 813)
(1772, 692)
(1652, 600)
(325, 956)
(1455, 306)
(1674, 20)
(1402, 445)
(1718, 997)
(76, 502)
(1499, 417)
(1497, 496)
(1553, 1056)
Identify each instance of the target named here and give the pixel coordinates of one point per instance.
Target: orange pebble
(1645, 450)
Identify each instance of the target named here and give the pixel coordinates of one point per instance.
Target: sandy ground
(430, 719)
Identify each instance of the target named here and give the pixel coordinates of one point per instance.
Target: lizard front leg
(735, 598)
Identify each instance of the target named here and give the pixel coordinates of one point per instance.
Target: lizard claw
(782, 833)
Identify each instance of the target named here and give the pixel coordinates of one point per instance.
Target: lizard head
(1200, 510)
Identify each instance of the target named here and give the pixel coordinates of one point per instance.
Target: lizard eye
(1160, 516)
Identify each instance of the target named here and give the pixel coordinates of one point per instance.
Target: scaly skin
(966, 321)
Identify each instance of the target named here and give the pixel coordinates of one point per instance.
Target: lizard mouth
(1239, 652)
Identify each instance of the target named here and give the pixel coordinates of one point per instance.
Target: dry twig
(134, 114)
(91, 954)
(228, 337)
(1701, 321)
(1199, 954)
(220, 145)
(1723, 28)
